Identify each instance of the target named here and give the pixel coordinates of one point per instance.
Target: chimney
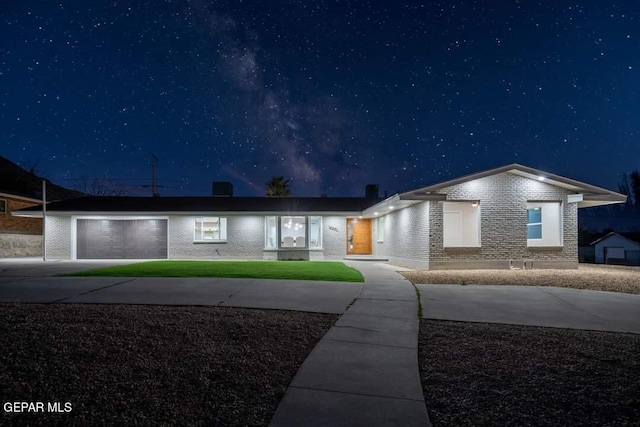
(222, 189)
(371, 191)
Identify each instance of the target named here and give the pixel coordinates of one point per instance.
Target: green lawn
(288, 270)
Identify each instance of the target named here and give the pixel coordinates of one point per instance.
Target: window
(544, 224)
(380, 229)
(3, 206)
(534, 223)
(293, 231)
(271, 232)
(315, 232)
(210, 229)
(461, 224)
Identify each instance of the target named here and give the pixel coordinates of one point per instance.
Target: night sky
(331, 95)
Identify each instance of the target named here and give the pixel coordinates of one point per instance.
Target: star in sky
(331, 95)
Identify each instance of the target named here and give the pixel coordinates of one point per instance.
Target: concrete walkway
(364, 371)
(533, 306)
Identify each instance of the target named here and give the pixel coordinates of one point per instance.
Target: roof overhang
(388, 205)
(103, 214)
(591, 195)
(25, 199)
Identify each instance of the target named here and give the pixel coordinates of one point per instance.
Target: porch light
(390, 207)
(541, 178)
(474, 204)
(375, 213)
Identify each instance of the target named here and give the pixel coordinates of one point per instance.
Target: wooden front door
(358, 236)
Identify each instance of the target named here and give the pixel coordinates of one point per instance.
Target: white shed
(613, 248)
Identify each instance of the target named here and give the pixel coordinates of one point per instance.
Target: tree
(630, 187)
(625, 188)
(635, 189)
(101, 187)
(277, 186)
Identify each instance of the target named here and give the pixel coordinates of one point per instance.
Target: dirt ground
(478, 374)
(587, 276)
(151, 365)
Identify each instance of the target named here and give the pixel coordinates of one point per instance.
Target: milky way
(331, 95)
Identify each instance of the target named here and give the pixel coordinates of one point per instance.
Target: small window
(380, 229)
(534, 223)
(3, 206)
(544, 224)
(210, 229)
(315, 232)
(270, 232)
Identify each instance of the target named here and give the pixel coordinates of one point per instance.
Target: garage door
(129, 239)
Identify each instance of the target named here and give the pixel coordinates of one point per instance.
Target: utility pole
(154, 160)
(44, 220)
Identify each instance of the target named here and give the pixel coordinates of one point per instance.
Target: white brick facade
(406, 237)
(58, 237)
(503, 225)
(245, 239)
(334, 237)
(413, 236)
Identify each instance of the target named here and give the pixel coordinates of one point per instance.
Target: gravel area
(485, 374)
(150, 365)
(626, 280)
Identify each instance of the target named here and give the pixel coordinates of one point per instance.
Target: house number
(332, 228)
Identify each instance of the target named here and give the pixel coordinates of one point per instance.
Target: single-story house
(490, 219)
(616, 249)
(19, 236)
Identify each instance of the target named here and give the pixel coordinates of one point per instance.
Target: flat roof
(124, 204)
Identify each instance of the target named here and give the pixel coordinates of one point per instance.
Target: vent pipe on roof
(222, 189)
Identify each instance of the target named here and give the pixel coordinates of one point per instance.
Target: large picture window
(293, 231)
(210, 229)
(544, 224)
(298, 232)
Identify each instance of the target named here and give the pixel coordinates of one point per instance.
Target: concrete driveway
(533, 305)
(30, 281)
(36, 267)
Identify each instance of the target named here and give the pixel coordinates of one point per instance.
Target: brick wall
(58, 237)
(9, 222)
(503, 221)
(245, 239)
(406, 237)
(334, 237)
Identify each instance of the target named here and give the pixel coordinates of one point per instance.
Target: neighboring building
(19, 236)
(616, 249)
(484, 220)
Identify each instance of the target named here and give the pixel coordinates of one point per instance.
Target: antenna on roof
(154, 160)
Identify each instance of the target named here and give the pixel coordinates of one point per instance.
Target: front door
(358, 236)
